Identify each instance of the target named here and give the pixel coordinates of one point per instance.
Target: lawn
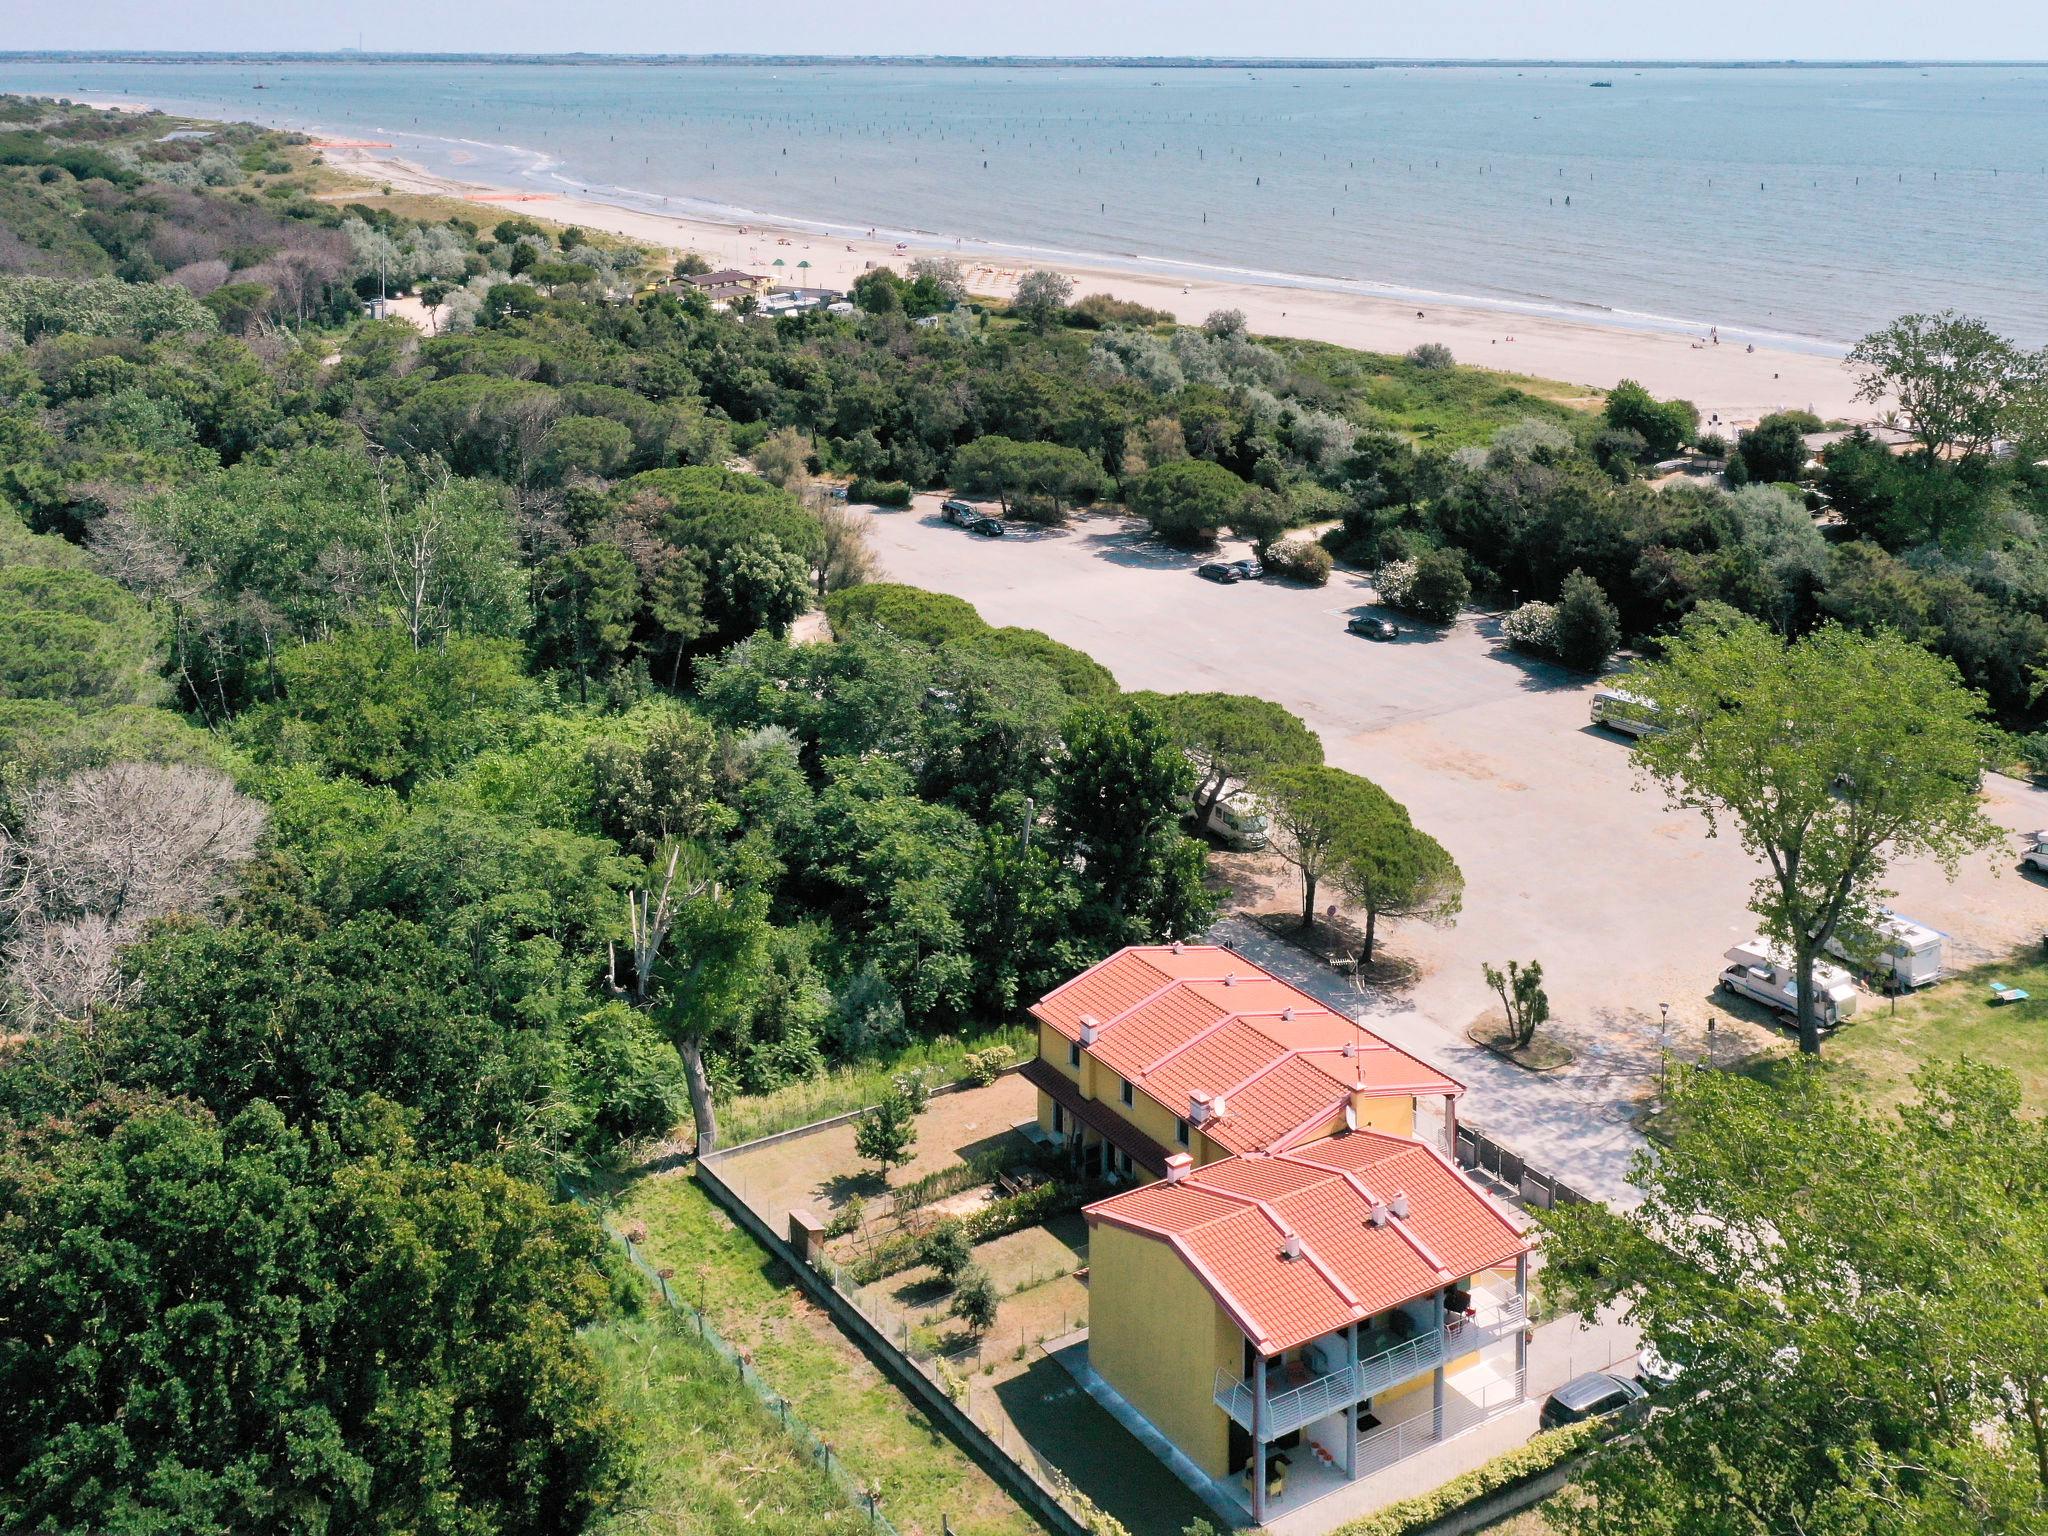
(712, 1458)
(870, 1423)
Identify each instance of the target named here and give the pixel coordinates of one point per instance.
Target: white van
(1236, 821)
(1911, 953)
(1762, 974)
(1622, 711)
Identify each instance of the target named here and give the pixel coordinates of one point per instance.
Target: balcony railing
(1374, 1373)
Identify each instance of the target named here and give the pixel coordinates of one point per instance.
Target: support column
(1351, 1408)
(1451, 1127)
(1259, 1440)
(1437, 1423)
(1522, 1333)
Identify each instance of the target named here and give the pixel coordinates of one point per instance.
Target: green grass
(872, 1425)
(1453, 407)
(712, 1457)
(845, 1089)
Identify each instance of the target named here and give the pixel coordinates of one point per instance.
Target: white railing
(1375, 1373)
(1380, 1448)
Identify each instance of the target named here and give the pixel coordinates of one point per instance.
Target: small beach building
(723, 287)
(1299, 1287)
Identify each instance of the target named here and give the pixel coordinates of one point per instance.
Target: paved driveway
(1626, 902)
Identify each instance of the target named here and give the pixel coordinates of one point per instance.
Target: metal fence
(816, 1449)
(1538, 1190)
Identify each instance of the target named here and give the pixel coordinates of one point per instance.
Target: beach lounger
(2001, 993)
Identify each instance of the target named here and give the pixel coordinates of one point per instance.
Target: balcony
(1375, 1373)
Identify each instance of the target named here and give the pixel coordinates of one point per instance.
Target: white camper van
(1764, 975)
(2036, 855)
(1911, 954)
(1236, 821)
(1622, 711)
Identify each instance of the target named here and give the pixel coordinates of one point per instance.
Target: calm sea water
(1810, 204)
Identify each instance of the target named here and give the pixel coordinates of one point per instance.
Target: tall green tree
(1116, 790)
(1392, 868)
(1323, 817)
(1853, 1298)
(1947, 379)
(1829, 757)
(585, 603)
(1232, 739)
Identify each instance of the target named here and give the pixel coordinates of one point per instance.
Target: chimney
(1287, 1014)
(1378, 1218)
(1177, 1167)
(1230, 978)
(1350, 1050)
(1400, 1206)
(1176, 946)
(1291, 1249)
(1198, 1106)
(1091, 1028)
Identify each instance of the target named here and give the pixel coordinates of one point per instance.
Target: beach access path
(1567, 858)
(1723, 381)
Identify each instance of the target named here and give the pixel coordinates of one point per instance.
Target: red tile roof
(1112, 1127)
(1176, 1020)
(1230, 1222)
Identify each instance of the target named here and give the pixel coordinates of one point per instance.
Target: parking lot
(1566, 859)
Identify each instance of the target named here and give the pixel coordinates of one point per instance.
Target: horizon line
(1002, 60)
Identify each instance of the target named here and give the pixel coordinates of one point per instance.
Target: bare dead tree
(846, 555)
(101, 854)
(649, 916)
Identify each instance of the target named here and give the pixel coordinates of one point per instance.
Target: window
(1123, 1164)
(1074, 1053)
(1180, 1132)
(1059, 1120)
(1125, 1093)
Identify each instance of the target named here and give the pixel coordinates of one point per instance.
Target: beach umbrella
(804, 263)
(778, 261)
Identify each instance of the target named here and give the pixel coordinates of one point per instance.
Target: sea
(1796, 206)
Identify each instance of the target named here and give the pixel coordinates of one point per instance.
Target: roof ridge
(1399, 1224)
(1288, 1230)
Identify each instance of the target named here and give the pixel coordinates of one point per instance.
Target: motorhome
(1621, 711)
(1762, 974)
(2036, 855)
(1909, 953)
(1235, 820)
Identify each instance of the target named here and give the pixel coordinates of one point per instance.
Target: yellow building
(1290, 1289)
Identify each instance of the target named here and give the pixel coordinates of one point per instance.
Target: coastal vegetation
(427, 675)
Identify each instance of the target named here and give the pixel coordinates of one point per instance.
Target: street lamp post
(1663, 1049)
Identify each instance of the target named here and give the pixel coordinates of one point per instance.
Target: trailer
(1763, 974)
(1910, 953)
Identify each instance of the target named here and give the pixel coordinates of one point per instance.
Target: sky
(1548, 29)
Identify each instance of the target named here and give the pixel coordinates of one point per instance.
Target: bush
(1532, 628)
(879, 493)
(2034, 753)
(1187, 500)
(1432, 586)
(1546, 1451)
(1664, 424)
(1775, 448)
(1099, 311)
(946, 1249)
(847, 1219)
(983, 1067)
(922, 618)
(1299, 560)
(1431, 355)
(1586, 628)
(975, 1299)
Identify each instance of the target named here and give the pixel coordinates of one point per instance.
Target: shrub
(847, 1219)
(983, 1067)
(1531, 628)
(946, 1249)
(1664, 424)
(2034, 753)
(923, 618)
(1099, 310)
(975, 1299)
(1775, 448)
(1586, 628)
(879, 493)
(1431, 354)
(1299, 560)
(1432, 586)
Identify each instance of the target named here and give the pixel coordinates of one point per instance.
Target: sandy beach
(1731, 386)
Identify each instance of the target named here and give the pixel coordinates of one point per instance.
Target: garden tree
(887, 1133)
(1041, 298)
(846, 553)
(946, 1247)
(659, 787)
(1232, 739)
(585, 447)
(1188, 500)
(1117, 789)
(1952, 381)
(1830, 757)
(585, 601)
(192, 1309)
(975, 1298)
(1665, 425)
(98, 856)
(1774, 449)
(1838, 1284)
(1317, 814)
(783, 457)
(1522, 998)
(1585, 629)
(1439, 588)
(1392, 869)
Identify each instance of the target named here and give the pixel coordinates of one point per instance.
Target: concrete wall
(1158, 1336)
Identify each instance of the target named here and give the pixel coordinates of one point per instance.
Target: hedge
(1012, 1213)
(880, 493)
(1548, 1450)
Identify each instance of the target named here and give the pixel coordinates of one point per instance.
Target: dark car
(1589, 1397)
(1373, 629)
(1225, 571)
(987, 527)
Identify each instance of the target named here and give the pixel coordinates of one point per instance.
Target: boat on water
(1603, 85)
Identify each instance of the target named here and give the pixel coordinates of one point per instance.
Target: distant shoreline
(972, 61)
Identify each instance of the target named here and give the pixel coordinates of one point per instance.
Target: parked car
(1373, 628)
(2036, 854)
(1654, 1372)
(1249, 569)
(1225, 571)
(1591, 1396)
(963, 514)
